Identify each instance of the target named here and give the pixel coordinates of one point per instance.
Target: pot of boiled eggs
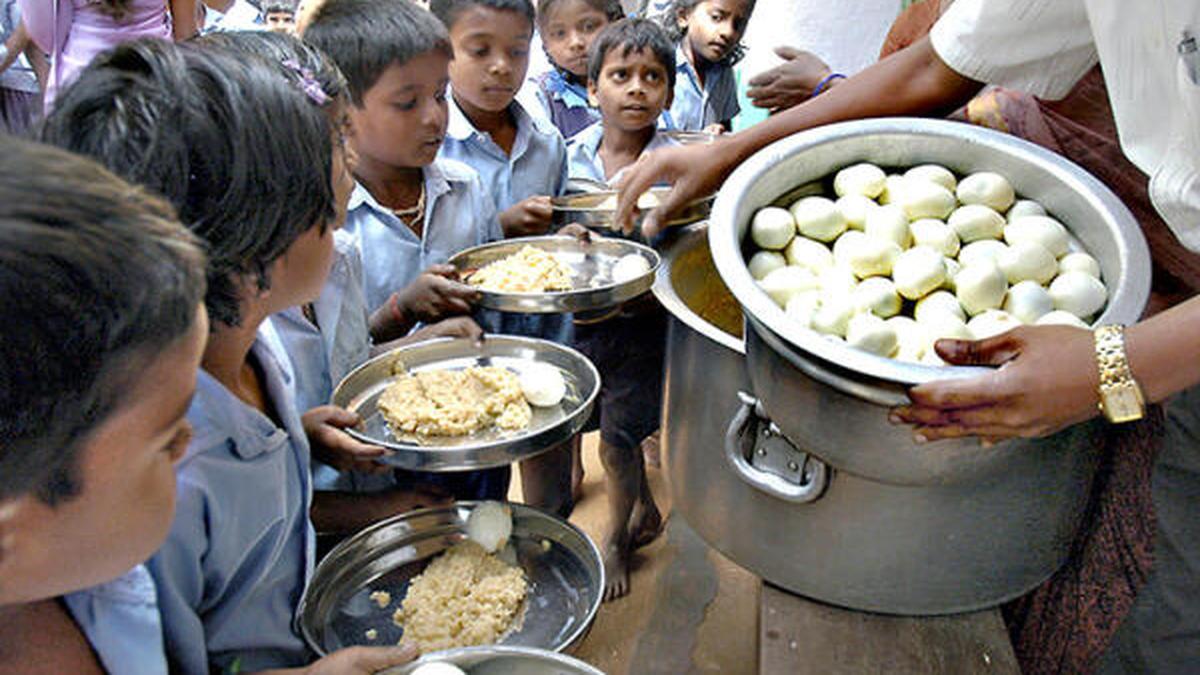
(854, 247)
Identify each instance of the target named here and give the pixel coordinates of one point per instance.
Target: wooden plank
(800, 636)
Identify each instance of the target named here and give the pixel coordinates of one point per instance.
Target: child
(523, 162)
(709, 35)
(567, 28)
(329, 337)
(281, 17)
(265, 198)
(410, 210)
(521, 158)
(95, 377)
(630, 79)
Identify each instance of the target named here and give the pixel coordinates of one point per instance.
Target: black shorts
(629, 350)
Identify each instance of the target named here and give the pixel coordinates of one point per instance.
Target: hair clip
(308, 82)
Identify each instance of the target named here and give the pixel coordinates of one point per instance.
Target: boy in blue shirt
(409, 210)
(709, 34)
(95, 377)
(631, 73)
(265, 198)
(522, 161)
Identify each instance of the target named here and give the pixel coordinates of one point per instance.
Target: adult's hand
(790, 83)
(693, 170)
(1046, 381)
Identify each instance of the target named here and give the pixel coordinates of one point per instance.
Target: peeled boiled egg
(490, 525)
(1078, 293)
(987, 188)
(818, 218)
(764, 262)
(863, 179)
(925, 199)
(772, 227)
(975, 222)
(934, 173)
(542, 385)
(980, 287)
(630, 267)
(918, 272)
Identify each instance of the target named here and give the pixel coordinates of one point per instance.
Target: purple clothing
(565, 103)
(73, 32)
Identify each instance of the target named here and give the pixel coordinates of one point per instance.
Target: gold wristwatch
(1121, 398)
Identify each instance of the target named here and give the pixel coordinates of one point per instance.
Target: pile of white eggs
(897, 262)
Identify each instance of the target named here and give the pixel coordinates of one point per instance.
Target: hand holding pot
(1046, 381)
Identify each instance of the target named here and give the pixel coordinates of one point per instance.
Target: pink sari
(73, 32)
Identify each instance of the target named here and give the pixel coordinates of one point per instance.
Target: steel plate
(596, 209)
(561, 564)
(591, 266)
(359, 392)
(496, 660)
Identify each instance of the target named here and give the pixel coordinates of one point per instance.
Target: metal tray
(596, 209)
(591, 266)
(359, 392)
(497, 660)
(565, 575)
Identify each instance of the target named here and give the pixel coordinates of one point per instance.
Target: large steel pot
(828, 534)
(832, 398)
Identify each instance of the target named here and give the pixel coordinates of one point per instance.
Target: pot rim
(664, 289)
(1125, 304)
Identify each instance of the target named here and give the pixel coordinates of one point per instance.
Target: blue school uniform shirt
(565, 104)
(695, 107)
(583, 153)
(459, 214)
(121, 622)
(323, 353)
(536, 166)
(240, 551)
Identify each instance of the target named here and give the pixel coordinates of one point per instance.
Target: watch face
(1123, 403)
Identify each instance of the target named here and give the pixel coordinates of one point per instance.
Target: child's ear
(593, 99)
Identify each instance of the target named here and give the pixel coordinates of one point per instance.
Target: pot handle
(742, 438)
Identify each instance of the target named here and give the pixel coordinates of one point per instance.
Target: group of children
(323, 185)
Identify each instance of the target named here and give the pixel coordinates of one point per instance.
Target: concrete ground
(690, 610)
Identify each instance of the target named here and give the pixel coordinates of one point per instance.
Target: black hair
(279, 49)
(670, 21)
(632, 35)
(611, 9)
(366, 37)
(96, 279)
(277, 7)
(240, 150)
(449, 10)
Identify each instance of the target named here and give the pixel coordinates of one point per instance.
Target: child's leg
(645, 522)
(546, 479)
(623, 476)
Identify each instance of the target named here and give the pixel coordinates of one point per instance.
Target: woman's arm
(1048, 379)
(913, 81)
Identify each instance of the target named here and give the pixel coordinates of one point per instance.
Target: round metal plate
(591, 265)
(561, 564)
(497, 660)
(596, 209)
(359, 392)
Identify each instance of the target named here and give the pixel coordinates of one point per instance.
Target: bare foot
(615, 555)
(645, 523)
